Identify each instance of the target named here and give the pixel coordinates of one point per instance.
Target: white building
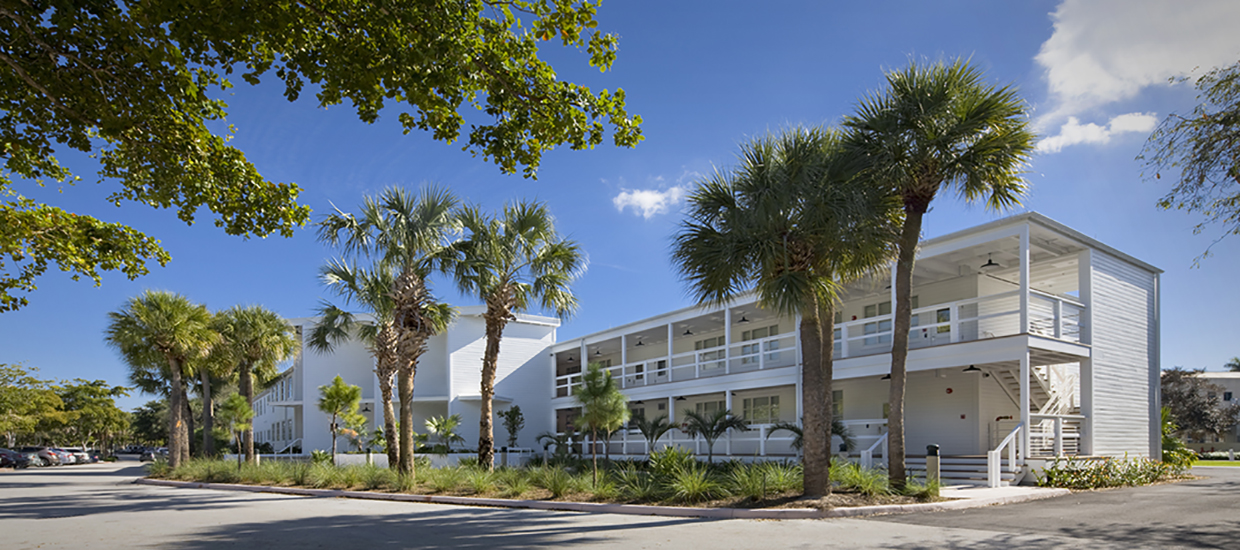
(1029, 340)
(447, 382)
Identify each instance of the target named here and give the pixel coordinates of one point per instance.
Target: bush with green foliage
(1099, 473)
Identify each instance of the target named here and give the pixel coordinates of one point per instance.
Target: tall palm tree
(160, 327)
(653, 429)
(255, 340)
(936, 126)
(511, 262)
(371, 290)
(213, 370)
(603, 407)
(712, 426)
(790, 224)
(407, 234)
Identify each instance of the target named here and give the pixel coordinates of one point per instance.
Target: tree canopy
(1203, 148)
(1196, 404)
(137, 86)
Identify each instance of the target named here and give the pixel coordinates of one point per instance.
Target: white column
(670, 336)
(727, 338)
(1087, 406)
(585, 355)
(727, 404)
(1084, 270)
(624, 350)
(1024, 279)
(1024, 404)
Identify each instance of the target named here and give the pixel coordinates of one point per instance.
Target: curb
(623, 509)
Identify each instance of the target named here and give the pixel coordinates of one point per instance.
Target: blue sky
(706, 77)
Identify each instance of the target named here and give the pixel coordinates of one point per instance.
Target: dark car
(13, 459)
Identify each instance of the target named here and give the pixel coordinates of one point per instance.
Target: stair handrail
(867, 456)
(993, 458)
(289, 447)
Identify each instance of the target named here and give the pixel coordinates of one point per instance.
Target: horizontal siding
(1122, 303)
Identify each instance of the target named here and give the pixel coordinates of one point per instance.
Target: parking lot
(97, 505)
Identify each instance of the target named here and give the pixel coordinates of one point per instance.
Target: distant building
(1230, 395)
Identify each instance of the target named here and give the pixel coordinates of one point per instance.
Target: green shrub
(554, 479)
(299, 473)
(480, 481)
(159, 469)
(324, 476)
(375, 478)
(406, 483)
(922, 491)
(444, 480)
(320, 457)
(667, 461)
(783, 477)
(468, 462)
(695, 484)
(513, 482)
(850, 476)
(1097, 473)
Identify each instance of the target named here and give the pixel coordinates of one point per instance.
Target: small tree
(355, 431)
(652, 430)
(513, 422)
(603, 407)
(235, 415)
(444, 429)
(798, 435)
(710, 427)
(340, 400)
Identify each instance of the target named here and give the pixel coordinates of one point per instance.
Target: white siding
(1123, 316)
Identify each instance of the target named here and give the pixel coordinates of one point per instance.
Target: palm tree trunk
(389, 422)
(495, 320)
(208, 415)
(816, 459)
(176, 413)
(334, 431)
(899, 343)
(404, 383)
(826, 319)
(247, 390)
(189, 423)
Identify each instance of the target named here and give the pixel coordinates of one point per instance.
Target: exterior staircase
(962, 470)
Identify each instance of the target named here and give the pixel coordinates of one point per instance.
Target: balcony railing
(966, 320)
(752, 355)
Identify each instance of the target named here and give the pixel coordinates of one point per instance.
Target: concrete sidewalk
(961, 498)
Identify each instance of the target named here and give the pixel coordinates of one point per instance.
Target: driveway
(97, 506)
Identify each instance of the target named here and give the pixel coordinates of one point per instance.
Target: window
(710, 407)
(837, 403)
(605, 363)
(882, 328)
(1226, 396)
(710, 359)
(750, 352)
(761, 410)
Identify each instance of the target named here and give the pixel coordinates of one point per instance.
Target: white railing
(1054, 316)
(290, 446)
(867, 455)
(1055, 435)
(994, 461)
(752, 355)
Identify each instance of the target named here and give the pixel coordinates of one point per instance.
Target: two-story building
(1029, 340)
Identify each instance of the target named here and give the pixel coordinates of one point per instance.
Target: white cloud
(1073, 132)
(649, 202)
(1105, 51)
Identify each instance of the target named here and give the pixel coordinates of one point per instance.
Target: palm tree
(213, 371)
(510, 263)
(341, 401)
(236, 415)
(798, 436)
(160, 327)
(255, 340)
(790, 224)
(444, 429)
(408, 235)
(372, 291)
(711, 427)
(603, 407)
(1233, 364)
(652, 430)
(935, 126)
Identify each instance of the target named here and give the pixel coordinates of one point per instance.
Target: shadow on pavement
(447, 528)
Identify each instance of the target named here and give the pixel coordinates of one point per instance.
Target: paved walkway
(97, 506)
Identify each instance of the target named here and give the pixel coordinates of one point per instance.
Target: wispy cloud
(648, 203)
(1073, 132)
(1106, 51)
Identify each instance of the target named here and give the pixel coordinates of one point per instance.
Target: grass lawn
(1235, 463)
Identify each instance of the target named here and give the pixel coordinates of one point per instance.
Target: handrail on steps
(290, 446)
(993, 460)
(867, 456)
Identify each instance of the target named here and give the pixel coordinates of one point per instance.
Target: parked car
(66, 457)
(13, 459)
(80, 456)
(147, 456)
(46, 457)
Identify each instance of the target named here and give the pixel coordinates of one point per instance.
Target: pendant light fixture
(972, 368)
(990, 263)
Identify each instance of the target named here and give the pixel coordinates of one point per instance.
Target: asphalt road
(97, 506)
